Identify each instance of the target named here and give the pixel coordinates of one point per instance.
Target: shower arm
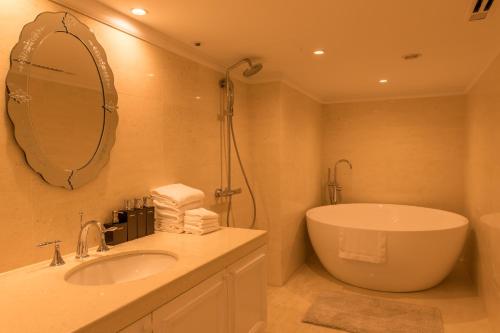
(246, 60)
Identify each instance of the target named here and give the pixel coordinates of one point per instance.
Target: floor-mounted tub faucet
(334, 189)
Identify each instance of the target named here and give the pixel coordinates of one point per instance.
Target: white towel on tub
(363, 245)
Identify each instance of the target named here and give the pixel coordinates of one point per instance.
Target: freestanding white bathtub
(422, 245)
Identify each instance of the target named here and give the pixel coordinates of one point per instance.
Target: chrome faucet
(334, 189)
(82, 246)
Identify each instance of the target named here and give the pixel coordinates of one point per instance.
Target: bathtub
(422, 244)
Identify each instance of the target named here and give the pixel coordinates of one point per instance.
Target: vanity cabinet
(246, 280)
(201, 309)
(143, 325)
(231, 301)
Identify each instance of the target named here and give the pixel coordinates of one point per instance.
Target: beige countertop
(36, 298)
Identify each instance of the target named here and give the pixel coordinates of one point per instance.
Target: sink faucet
(334, 189)
(82, 246)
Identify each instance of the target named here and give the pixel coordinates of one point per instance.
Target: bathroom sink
(121, 267)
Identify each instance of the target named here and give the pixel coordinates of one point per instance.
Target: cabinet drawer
(247, 285)
(143, 325)
(201, 309)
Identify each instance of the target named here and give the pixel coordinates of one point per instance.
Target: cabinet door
(247, 294)
(201, 309)
(143, 325)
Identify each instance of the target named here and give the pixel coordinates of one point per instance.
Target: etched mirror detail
(19, 96)
(62, 100)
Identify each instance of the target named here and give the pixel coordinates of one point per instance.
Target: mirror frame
(32, 35)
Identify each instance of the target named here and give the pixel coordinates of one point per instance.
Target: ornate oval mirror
(62, 100)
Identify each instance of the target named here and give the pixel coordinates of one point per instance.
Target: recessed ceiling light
(319, 52)
(139, 11)
(383, 81)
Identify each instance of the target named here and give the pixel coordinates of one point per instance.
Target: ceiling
(364, 41)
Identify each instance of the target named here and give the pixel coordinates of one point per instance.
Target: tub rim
(459, 221)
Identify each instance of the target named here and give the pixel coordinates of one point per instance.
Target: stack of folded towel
(200, 221)
(171, 201)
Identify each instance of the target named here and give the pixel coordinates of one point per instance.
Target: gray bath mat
(363, 314)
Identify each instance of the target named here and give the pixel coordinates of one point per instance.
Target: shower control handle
(221, 193)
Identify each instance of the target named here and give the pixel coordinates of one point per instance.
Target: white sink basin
(121, 267)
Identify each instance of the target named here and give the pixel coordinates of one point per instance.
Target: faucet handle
(112, 229)
(103, 247)
(42, 244)
(57, 259)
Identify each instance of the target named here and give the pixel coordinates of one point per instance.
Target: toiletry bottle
(129, 216)
(141, 217)
(119, 235)
(149, 209)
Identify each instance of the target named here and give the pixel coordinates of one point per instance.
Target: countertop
(36, 298)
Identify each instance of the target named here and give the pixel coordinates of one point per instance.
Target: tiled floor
(460, 306)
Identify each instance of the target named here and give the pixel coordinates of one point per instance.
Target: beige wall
(286, 149)
(407, 151)
(164, 135)
(264, 105)
(483, 181)
(404, 151)
(300, 173)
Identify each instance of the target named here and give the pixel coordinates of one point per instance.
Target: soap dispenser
(149, 209)
(141, 217)
(129, 216)
(119, 235)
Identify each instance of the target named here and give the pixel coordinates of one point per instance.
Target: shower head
(228, 84)
(252, 70)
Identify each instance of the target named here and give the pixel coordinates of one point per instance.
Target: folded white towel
(199, 231)
(159, 213)
(170, 228)
(162, 225)
(169, 219)
(160, 204)
(200, 225)
(363, 245)
(196, 219)
(201, 213)
(178, 194)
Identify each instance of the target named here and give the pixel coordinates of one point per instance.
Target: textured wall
(286, 150)
(483, 182)
(300, 174)
(408, 151)
(164, 135)
(264, 106)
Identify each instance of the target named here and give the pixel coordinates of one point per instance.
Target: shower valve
(221, 193)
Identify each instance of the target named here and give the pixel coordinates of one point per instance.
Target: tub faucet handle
(57, 259)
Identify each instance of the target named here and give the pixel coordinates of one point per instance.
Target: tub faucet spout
(334, 188)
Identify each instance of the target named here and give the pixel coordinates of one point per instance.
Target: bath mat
(364, 314)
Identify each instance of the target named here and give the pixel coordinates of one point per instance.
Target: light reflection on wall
(124, 25)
